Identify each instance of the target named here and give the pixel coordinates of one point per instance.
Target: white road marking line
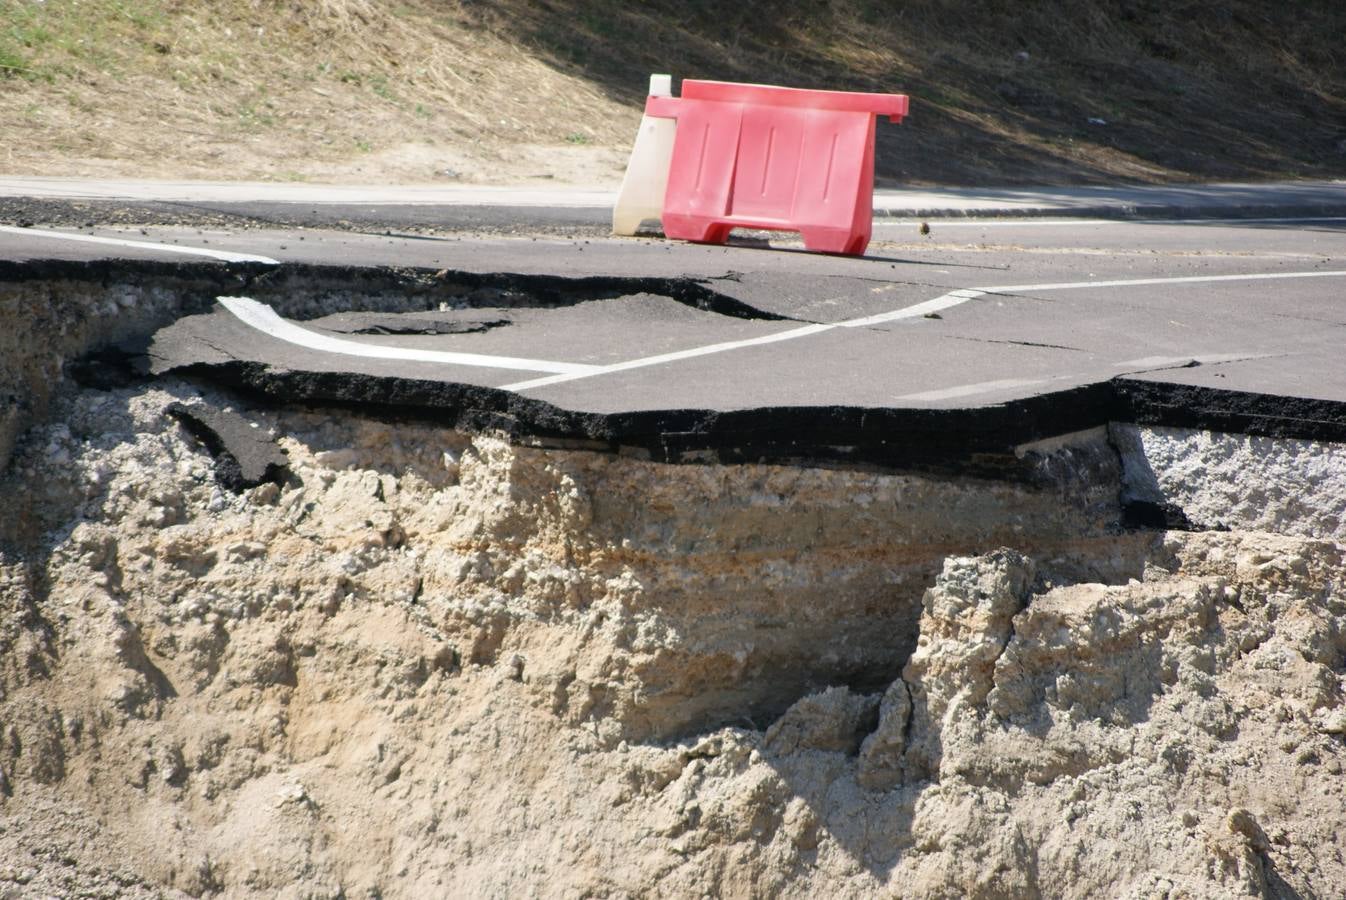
(920, 309)
(937, 223)
(265, 319)
(945, 301)
(1168, 362)
(1141, 282)
(953, 298)
(222, 255)
(1271, 220)
(1153, 362)
(677, 355)
(967, 390)
(1131, 366)
(245, 192)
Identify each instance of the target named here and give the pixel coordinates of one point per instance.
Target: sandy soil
(436, 664)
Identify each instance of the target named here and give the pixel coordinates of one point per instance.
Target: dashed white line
(265, 320)
(222, 255)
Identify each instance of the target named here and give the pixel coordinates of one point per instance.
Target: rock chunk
(245, 455)
(834, 720)
(965, 627)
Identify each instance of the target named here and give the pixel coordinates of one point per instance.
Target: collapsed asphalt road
(951, 348)
(1119, 669)
(947, 351)
(963, 374)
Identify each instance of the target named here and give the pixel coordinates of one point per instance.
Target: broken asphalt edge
(980, 440)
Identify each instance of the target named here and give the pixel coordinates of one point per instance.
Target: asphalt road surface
(976, 337)
(440, 205)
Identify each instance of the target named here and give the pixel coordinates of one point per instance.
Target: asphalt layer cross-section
(949, 348)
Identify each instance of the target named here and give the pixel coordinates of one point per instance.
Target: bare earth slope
(508, 91)
(438, 665)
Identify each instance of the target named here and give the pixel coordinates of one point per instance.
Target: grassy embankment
(1138, 90)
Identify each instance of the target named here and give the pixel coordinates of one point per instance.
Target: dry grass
(512, 89)
(1006, 91)
(333, 89)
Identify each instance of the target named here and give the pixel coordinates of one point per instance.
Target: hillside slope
(424, 91)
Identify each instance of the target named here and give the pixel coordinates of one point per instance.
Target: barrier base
(700, 230)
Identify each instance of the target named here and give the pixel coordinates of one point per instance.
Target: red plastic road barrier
(780, 159)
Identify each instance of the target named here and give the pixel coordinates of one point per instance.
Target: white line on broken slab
(1130, 366)
(222, 255)
(906, 312)
(708, 349)
(1205, 359)
(265, 320)
(926, 307)
(944, 301)
(969, 390)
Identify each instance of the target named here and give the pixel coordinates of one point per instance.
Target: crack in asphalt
(960, 337)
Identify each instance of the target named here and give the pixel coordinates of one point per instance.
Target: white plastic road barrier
(646, 180)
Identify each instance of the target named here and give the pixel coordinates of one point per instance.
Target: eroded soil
(436, 663)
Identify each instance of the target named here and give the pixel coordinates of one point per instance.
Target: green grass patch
(61, 37)
(20, 36)
(12, 65)
(256, 115)
(379, 85)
